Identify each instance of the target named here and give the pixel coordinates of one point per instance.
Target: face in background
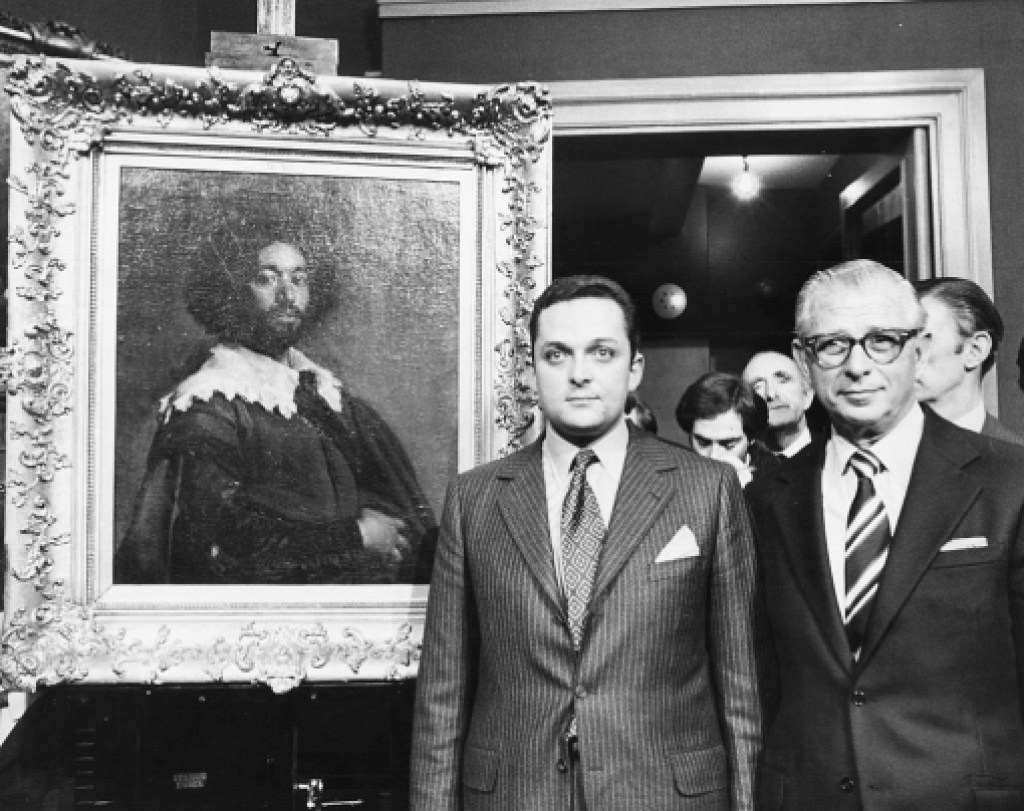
(779, 381)
(864, 399)
(583, 368)
(950, 356)
(720, 436)
(280, 290)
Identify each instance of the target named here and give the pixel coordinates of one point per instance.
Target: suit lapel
(798, 509)
(642, 495)
(938, 496)
(523, 505)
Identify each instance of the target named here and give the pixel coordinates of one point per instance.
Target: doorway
(902, 177)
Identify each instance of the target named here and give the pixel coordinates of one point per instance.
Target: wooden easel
(274, 39)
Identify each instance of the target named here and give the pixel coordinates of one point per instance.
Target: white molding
(948, 104)
(471, 8)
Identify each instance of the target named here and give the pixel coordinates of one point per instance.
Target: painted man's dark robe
(258, 474)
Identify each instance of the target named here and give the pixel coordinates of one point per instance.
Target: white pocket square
(682, 545)
(955, 545)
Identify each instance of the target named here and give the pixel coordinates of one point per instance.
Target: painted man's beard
(274, 331)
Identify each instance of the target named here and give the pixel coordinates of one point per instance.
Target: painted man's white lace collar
(235, 371)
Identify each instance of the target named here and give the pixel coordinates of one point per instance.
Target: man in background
(589, 641)
(788, 393)
(964, 330)
(723, 417)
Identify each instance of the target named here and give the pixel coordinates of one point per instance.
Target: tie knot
(865, 464)
(582, 460)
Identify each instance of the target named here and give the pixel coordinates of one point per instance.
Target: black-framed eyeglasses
(831, 351)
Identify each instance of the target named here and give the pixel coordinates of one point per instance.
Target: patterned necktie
(583, 531)
(867, 547)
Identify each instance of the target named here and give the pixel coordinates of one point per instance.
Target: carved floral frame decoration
(65, 114)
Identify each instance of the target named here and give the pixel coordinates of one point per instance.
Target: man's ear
(977, 348)
(636, 371)
(922, 346)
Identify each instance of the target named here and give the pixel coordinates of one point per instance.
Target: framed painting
(257, 323)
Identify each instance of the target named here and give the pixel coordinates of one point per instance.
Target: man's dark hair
(570, 288)
(971, 307)
(718, 393)
(217, 292)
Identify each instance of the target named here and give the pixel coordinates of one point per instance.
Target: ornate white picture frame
(430, 203)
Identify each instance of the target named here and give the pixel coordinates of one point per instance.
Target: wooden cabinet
(211, 748)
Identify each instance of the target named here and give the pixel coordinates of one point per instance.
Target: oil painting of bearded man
(264, 468)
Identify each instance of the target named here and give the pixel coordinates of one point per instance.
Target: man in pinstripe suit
(651, 701)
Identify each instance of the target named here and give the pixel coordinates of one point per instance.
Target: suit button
(562, 766)
(858, 698)
(580, 692)
(846, 784)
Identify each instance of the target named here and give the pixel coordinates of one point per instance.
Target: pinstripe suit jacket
(664, 688)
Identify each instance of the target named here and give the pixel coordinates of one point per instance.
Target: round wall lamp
(669, 301)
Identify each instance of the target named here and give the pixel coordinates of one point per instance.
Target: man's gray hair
(856, 275)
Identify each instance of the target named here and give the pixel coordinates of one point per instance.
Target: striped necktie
(583, 532)
(867, 546)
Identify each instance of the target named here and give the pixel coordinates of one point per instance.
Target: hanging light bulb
(746, 185)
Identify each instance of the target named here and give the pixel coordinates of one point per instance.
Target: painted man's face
(280, 291)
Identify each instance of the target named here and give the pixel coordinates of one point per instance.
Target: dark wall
(177, 32)
(942, 34)
(158, 31)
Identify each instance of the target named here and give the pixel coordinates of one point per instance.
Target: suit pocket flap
(480, 768)
(674, 568)
(700, 771)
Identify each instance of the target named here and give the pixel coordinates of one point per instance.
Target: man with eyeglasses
(893, 559)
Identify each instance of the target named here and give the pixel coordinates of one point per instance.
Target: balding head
(778, 379)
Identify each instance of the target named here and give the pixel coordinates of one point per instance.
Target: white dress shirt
(802, 441)
(896, 451)
(603, 477)
(974, 419)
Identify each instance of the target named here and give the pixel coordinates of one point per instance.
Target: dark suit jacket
(664, 689)
(930, 716)
(994, 428)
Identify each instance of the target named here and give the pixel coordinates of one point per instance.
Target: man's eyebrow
(700, 436)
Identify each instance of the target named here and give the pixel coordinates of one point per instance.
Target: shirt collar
(896, 450)
(802, 441)
(610, 449)
(974, 419)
